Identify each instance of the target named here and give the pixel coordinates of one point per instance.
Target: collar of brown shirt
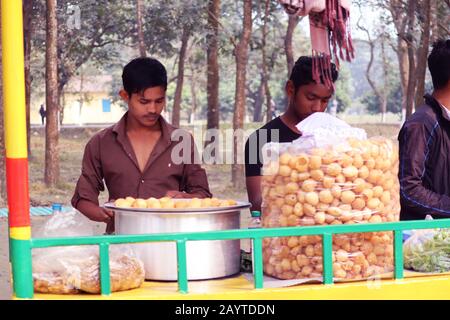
(164, 142)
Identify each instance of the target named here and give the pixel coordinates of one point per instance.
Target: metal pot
(205, 259)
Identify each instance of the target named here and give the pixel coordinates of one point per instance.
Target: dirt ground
(71, 150)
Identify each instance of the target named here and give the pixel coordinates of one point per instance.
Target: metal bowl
(205, 259)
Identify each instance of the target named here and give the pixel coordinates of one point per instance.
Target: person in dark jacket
(424, 171)
(43, 113)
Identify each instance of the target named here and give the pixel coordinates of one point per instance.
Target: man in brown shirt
(135, 156)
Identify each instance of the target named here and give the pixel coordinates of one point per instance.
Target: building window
(106, 104)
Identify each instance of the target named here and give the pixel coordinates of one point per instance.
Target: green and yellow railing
(24, 288)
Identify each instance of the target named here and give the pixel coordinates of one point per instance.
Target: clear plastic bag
(75, 269)
(428, 250)
(346, 181)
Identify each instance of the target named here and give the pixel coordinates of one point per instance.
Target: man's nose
(151, 107)
(317, 106)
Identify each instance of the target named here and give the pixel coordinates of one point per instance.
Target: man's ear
(290, 89)
(124, 95)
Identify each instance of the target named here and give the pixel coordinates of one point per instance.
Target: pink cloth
(329, 27)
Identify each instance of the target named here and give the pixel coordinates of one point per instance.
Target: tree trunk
(385, 90)
(400, 19)
(372, 83)
(292, 23)
(61, 99)
(259, 101)
(141, 42)
(180, 78)
(213, 77)
(383, 109)
(241, 55)
(62, 104)
(410, 94)
(381, 94)
(27, 33)
(2, 136)
(434, 23)
(265, 74)
(422, 52)
(194, 97)
(402, 55)
(51, 127)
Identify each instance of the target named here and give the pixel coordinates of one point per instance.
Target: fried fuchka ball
(169, 203)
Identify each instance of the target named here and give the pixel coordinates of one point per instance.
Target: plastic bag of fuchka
(75, 269)
(331, 175)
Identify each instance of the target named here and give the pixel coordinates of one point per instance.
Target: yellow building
(86, 100)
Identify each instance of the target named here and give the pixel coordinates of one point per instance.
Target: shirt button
(142, 181)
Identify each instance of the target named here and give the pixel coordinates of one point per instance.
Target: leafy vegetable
(428, 251)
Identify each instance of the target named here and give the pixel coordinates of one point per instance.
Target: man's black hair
(439, 63)
(302, 72)
(143, 73)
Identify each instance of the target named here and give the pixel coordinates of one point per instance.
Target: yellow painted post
(16, 146)
(14, 79)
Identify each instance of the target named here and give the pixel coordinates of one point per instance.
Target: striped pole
(16, 147)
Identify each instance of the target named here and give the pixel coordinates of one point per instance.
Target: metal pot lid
(239, 206)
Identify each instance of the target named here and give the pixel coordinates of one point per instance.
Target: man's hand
(94, 212)
(177, 194)
(182, 195)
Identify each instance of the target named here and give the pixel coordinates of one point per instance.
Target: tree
(266, 46)
(400, 18)
(343, 88)
(410, 92)
(264, 72)
(180, 77)
(28, 16)
(257, 97)
(381, 91)
(292, 24)
(394, 99)
(193, 87)
(241, 56)
(85, 29)
(141, 42)
(213, 76)
(162, 31)
(416, 23)
(422, 51)
(51, 176)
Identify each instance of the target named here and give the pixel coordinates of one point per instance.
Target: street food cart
(398, 286)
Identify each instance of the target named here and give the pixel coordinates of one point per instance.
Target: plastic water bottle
(255, 223)
(56, 208)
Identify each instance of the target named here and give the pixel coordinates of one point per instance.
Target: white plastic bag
(321, 129)
(75, 269)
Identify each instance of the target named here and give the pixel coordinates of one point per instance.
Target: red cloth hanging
(329, 27)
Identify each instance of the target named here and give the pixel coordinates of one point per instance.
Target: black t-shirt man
(273, 131)
(305, 97)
